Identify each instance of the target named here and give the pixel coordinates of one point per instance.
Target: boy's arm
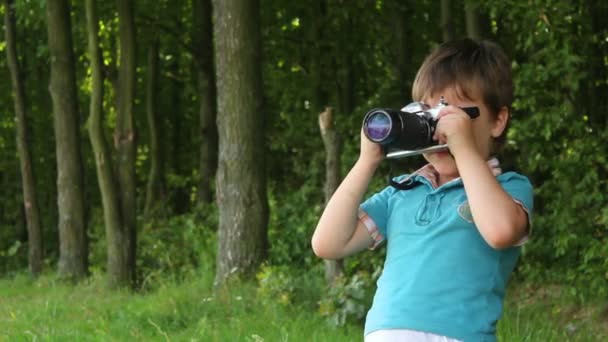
(339, 232)
(501, 221)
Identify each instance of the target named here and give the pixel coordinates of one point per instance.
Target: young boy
(453, 237)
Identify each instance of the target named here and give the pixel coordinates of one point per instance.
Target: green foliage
(290, 239)
(285, 285)
(349, 298)
(556, 137)
(173, 248)
(178, 247)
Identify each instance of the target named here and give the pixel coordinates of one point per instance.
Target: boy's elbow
(322, 250)
(499, 243)
(503, 237)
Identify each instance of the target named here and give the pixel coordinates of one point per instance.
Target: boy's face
(485, 128)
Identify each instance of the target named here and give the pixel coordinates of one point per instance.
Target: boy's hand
(370, 151)
(455, 128)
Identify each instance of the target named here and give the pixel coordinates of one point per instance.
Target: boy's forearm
(339, 219)
(500, 220)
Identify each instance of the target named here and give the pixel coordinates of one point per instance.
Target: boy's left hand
(455, 128)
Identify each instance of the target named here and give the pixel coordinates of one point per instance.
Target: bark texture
(241, 180)
(155, 186)
(125, 133)
(117, 266)
(477, 23)
(30, 201)
(73, 253)
(331, 140)
(203, 38)
(447, 23)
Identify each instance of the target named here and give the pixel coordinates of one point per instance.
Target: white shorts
(402, 335)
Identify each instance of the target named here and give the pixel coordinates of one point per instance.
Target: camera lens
(377, 126)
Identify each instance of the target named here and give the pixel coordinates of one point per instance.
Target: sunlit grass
(48, 310)
(51, 311)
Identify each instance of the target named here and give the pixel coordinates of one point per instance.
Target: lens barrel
(382, 126)
(394, 129)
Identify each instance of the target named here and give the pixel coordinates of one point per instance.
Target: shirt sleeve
(374, 213)
(520, 189)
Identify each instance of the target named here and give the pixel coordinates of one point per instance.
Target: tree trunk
(241, 179)
(331, 140)
(346, 74)
(319, 101)
(320, 96)
(478, 24)
(117, 271)
(447, 23)
(404, 46)
(203, 38)
(155, 181)
(73, 254)
(30, 201)
(124, 136)
(180, 191)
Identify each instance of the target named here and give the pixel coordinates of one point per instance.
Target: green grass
(547, 313)
(48, 310)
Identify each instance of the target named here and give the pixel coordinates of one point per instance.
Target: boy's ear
(501, 122)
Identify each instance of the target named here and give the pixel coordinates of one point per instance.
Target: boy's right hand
(371, 152)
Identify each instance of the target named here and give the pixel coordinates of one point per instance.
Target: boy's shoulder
(509, 176)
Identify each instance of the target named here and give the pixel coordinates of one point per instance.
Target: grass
(548, 313)
(48, 310)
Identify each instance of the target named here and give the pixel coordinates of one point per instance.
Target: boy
(453, 238)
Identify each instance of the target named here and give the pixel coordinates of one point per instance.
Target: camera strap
(407, 183)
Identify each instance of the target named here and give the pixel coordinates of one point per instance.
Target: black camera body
(408, 131)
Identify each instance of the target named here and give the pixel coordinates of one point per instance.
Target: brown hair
(475, 69)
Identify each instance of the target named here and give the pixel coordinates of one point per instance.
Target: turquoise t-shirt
(440, 275)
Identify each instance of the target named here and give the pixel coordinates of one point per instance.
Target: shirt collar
(429, 173)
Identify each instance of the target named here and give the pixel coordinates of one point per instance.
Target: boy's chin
(443, 162)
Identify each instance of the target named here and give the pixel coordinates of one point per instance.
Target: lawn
(48, 310)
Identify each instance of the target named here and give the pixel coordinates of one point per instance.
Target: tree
(241, 180)
(117, 271)
(203, 47)
(331, 140)
(155, 177)
(73, 251)
(124, 139)
(30, 201)
(447, 23)
(477, 23)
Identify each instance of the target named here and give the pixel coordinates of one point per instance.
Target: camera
(408, 131)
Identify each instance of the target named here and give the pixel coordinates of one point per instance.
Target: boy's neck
(443, 178)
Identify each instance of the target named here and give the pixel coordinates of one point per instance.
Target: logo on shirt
(464, 211)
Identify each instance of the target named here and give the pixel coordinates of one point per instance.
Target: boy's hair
(476, 70)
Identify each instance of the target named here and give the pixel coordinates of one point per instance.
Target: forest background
(152, 142)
